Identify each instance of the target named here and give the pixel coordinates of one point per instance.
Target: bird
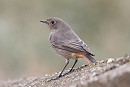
(67, 43)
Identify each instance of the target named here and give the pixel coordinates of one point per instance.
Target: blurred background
(24, 47)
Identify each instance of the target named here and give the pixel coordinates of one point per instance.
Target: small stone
(94, 74)
(46, 75)
(102, 61)
(110, 60)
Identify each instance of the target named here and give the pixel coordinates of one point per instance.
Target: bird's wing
(77, 46)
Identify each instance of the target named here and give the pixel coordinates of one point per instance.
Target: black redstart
(67, 43)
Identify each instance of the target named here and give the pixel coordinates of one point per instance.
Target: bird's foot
(63, 74)
(57, 77)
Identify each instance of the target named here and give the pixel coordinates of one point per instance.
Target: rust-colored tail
(87, 57)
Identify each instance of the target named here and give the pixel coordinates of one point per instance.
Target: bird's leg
(72, 67)
(67, 62)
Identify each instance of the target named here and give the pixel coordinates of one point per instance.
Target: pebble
(110, 60)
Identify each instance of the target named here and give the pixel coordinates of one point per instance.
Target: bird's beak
(44, 21)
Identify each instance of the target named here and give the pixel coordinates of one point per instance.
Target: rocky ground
(106, 73)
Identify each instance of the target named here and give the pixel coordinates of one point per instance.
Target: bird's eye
(52, 22)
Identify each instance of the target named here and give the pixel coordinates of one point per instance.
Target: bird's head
(55, 23)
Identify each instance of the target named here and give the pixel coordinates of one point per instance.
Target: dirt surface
(105, 73)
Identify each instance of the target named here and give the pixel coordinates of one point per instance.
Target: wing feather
(77, 46)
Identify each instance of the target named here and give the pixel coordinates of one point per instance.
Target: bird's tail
(90, 58)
